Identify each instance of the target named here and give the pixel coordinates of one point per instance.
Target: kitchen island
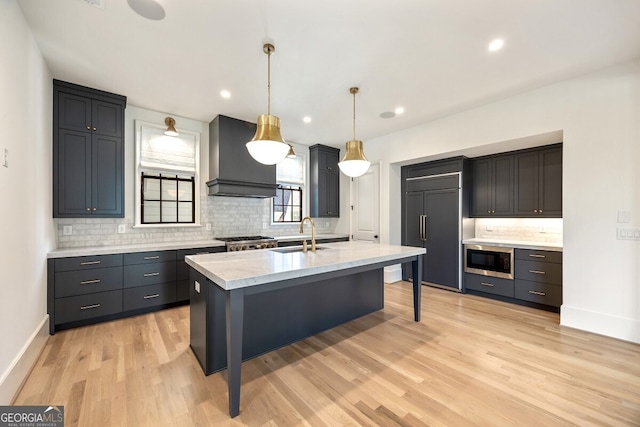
(244, 304)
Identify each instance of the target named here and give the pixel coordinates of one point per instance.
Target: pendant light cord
(269, 82)
(354, 116)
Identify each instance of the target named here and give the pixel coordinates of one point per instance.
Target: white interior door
(365, 198)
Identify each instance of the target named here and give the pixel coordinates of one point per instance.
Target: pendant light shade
(268, 146)
(354, 163)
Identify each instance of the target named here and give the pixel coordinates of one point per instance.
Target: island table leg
(234, 306)
(416, 267)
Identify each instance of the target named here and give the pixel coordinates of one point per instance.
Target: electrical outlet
(628, 234)
(196, 286)
(122, 228)
(264, 225)
(208, 227)
(67, 230)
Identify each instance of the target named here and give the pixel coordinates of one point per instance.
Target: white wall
(26, 226)
(599, 116)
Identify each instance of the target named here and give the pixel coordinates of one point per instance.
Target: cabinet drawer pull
(89, 307)
(538, 293)
(152, 257)
(89, 282)
(537, 272)
(537, 256)
(151, 274)
(90, 263)
(487, 284)
(151, 296)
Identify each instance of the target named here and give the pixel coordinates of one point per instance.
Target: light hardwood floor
(470, 361)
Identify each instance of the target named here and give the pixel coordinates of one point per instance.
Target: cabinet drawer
(149, 257)
(149, 296)
(182, 269)
(87, 262)
(490, 285)
(69, 283)
(538, 271)
(535, 255)
(542, 293)
(149, 274)
(87, 306)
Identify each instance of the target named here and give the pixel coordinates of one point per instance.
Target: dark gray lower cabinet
(538, 280)
(90, 289)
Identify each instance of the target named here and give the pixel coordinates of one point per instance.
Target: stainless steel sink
(291, 249)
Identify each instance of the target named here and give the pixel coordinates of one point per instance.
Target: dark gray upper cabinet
(538, 186)
(324, 182)
(524, 183)
(492, 190)
(88, 152)
(232, 170)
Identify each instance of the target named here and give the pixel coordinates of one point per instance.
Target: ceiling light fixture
(171, 127)
(496, 45)
(354, 163)
(399, 110)
(267, 146)
(306, 119)
(225, 94)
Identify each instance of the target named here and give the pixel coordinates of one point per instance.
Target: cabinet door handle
(90, 262)
(88, 209)
(425, 227)
(89, 307)
(95, 129)
(537, 272)
(95, 209)
(89, 282)
(88, 127)
(537, 256)
(151, 296)
(151, 274)
(152, 257)
(487, 284)
(542, 294)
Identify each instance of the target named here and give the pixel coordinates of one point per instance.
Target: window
(167, 169)
(287, 205)
(167, 199)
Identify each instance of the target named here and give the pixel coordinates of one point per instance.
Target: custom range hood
(232, 170)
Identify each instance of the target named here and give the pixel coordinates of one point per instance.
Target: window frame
(168, 177)
(142, 128)
(302, 186)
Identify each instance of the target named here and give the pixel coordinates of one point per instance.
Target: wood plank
(469, 361)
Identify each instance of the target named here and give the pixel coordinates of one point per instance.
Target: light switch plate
(208, 227)
(122, 228)
(67, 230)
(196, 286)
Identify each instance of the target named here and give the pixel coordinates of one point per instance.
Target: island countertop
(234, 270)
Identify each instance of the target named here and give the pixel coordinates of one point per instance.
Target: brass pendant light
(354, 163)
(268, 146)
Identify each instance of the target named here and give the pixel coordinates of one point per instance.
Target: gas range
(244, 243)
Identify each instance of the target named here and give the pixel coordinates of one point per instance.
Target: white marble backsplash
(548, 230)
(228, 216)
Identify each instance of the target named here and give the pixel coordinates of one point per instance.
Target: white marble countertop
(233, 270)
(165, 246)
(520, 244)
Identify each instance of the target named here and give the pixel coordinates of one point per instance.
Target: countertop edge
(542, 246)
(164, 246)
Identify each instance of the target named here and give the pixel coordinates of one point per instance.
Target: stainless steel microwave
(494, 261)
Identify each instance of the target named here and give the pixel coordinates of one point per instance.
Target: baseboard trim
(14, 377)
(621, 328)
(393, 273)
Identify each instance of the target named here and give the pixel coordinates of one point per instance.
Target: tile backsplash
(547, 230)
(228, 216)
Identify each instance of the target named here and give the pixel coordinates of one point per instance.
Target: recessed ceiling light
(225, 94)
(399, 110)
(307, 119)
(496, 45)
(387, 115)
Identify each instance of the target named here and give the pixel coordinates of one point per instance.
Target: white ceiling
(428, 56)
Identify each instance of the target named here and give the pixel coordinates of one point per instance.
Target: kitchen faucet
(313, 234)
